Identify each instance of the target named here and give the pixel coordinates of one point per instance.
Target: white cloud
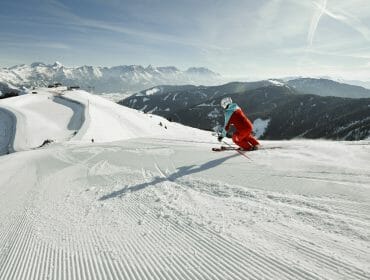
(315, 20)
(46, 45)
(349, 18)
(70, 18)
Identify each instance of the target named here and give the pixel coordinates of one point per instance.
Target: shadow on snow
(182, 171)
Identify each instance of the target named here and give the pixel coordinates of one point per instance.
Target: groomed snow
(77, 116)
(38, 117)
(158, 204)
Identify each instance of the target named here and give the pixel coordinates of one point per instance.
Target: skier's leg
(240, 140)
(251, 139)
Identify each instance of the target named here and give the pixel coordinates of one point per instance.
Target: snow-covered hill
(125, 78)
(149, 200)
(64, 116)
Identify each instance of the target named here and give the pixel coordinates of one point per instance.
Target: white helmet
(226, 102)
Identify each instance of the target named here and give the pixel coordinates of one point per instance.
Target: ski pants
(244, 139)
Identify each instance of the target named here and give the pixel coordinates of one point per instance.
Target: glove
(219, 138)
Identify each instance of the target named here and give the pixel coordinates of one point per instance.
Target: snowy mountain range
(125, 78)
(286, 108)
(118, 194)
(327, 87)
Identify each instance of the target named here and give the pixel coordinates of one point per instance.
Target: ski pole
(240, 152)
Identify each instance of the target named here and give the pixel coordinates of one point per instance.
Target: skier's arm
(225, 130)
(226, 127)
(228, 113)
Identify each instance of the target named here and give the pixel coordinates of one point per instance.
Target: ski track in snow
(144, 210)
(169, 208)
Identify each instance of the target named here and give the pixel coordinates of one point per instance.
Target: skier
(243, 135)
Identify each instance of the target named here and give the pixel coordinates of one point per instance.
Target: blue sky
(238, 38)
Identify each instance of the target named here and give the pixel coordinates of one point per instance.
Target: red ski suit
(242, 137)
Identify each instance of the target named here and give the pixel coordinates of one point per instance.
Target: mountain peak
(37, 64)
(120, 78)
(57, 64)
(201, 71)
(168, 69)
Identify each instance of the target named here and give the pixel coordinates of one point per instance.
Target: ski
(225, 148)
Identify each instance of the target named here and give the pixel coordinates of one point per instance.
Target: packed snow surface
(156, 203)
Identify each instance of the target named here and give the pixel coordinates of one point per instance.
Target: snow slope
(65, 116)
(157, 204)
(39, 117)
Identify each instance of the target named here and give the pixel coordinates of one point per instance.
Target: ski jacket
(235, 116)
